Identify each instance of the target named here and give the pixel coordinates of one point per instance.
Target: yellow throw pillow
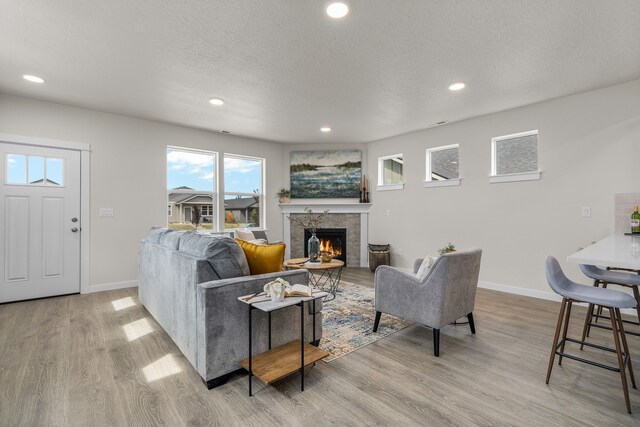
(263, 258)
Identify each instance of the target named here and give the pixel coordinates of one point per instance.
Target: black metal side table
(286, 359)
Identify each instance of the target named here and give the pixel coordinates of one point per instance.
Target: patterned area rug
(348, 321)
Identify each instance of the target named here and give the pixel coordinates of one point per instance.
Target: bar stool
(612, 300)
(604, 278)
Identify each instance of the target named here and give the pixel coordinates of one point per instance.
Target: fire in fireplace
(332, 241)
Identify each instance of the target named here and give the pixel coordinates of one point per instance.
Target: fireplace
(332, 240)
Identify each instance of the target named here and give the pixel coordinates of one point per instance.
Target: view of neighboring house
(182, 203)
(242, 210)
(183, 200)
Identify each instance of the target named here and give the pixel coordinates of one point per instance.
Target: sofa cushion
(263, 258)
(223, 254)
(171, 238)
(155, 233)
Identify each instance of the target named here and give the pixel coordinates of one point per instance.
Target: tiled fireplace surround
(354, 217)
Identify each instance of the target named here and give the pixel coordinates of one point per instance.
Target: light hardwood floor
(91, 360)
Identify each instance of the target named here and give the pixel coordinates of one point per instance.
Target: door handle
(74, 229)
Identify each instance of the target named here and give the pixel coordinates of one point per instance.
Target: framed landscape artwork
(325, 174)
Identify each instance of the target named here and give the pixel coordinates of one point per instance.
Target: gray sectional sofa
(190, 283)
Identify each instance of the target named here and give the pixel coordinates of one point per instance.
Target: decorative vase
(313, 248)
(276, 298)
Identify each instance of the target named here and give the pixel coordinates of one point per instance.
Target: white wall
(589, 149)
(128, 172)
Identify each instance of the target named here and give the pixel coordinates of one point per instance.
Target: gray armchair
(447, 293)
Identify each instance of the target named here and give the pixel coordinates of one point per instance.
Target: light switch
(106, 212)
(586, 212)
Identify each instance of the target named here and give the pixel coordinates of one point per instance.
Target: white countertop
(614, 251)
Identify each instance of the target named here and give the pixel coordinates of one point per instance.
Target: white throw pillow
(245, 235)
(258, 241)
(426, 265)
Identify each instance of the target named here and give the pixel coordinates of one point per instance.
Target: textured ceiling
(285, 69)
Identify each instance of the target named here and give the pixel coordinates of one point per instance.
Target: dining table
(615, 251)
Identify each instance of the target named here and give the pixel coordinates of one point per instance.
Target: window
(390, 172)
(243, 191)
(206, 210)
(515, 157)
(191, 182)
(34, 170)
(442, 166)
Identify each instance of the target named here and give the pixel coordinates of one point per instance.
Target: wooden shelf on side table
(282, 361)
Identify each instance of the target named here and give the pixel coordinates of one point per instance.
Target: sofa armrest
(292, 276)
(256, 283)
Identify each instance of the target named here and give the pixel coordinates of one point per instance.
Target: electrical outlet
(388, 212)
(586, 212)
(106, 212)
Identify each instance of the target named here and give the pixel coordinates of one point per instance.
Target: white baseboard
(549, 296)
(112, 286)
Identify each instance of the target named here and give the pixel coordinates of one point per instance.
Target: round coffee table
(322, 275)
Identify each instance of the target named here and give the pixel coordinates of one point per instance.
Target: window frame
(216, 182)
(389, 187)
(45, 179)
(429, 181)
(261, 194)
(517, 176)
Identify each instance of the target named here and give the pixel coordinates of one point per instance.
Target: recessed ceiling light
(325, 129)
(337, 10)
(457, 86)
(33, 79)
(216, 101)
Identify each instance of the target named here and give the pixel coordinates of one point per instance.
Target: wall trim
(112, 286)
(44, 142)
(533, 293)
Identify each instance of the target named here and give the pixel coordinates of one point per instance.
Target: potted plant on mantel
(284, 195)
(449, 248)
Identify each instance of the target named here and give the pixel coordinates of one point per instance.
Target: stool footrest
(608, 328)
(625, 356)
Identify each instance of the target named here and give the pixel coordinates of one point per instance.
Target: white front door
(40, 222)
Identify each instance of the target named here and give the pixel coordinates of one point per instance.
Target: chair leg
(616, 340)
(636, 295)
(472, 325)
(436, 342)
(564, 331)
(625, 347)
(377, 321)
(555, 339)
(587, 324)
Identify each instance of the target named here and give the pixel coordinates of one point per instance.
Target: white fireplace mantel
(333, 208)
(289, 208)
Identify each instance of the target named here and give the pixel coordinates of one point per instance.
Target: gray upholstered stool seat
(597, 296)
(612, 300)
(608, 277)
(617, 277)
